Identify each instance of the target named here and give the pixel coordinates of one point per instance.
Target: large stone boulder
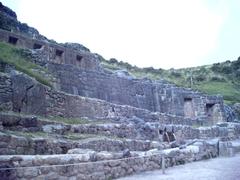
(28, 95)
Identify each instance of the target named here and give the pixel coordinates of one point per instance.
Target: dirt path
(214, 169)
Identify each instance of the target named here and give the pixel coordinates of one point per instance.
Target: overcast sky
(157, 33)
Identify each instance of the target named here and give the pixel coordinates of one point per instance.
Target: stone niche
(79, 60)
(59, 56)
(209, 109)
(213, 113)
(188, 108)
(37, 46)
(59, 53)
(12, 40)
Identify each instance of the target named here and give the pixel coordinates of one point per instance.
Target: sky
(147, 33)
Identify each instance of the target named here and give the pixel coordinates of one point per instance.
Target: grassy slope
(220, 78)
(13, 56)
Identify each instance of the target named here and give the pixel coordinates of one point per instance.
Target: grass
(11, 55)
(27, 134)
(71, 121)
(78, 136)
(36, 134)
(75, 120)
(228, 90)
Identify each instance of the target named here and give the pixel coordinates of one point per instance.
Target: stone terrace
(95, 124)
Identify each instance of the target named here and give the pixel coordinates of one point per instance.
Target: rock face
(9, 22)
(76, 46)
(7, 11)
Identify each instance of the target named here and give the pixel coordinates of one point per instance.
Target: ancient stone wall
(25, 95)
(140, 93)
(79, 73)
(5, 92)
(52, 52)
(79, 166)
(115, 139)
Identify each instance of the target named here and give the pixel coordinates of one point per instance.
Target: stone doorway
(188, 108)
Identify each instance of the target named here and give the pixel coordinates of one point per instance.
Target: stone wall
(20, 144)
(46, 52)
(15, 144)
(5, 92)
(109, 137)
(79, 73)
(140, 93)
(85, 169)
(25, 95)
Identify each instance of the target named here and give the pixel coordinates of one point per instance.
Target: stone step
(26, 143)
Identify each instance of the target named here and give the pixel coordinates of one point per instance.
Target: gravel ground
(214, 169)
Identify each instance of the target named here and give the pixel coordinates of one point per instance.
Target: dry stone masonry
(96, 124)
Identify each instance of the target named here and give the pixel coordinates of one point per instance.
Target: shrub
(176, 74)
(236, 64)
(218, 79)
(200, 77)
(215, 67)
(113, 61)
(226, 69)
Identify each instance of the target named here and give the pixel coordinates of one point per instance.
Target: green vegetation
(15, 57)
(58, 119)
(74, 120)
(228, 90)
(78, 136)
(220, 78)
(27, 134)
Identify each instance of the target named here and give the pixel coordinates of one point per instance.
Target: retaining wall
(101, 169)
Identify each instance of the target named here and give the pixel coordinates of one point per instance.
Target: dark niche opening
(37, 46)
(209, 109)
(209, 106)
(59, 52)
(113, 110)
(187, 99)
(160, 131)
(12, 40)
(79, 58)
